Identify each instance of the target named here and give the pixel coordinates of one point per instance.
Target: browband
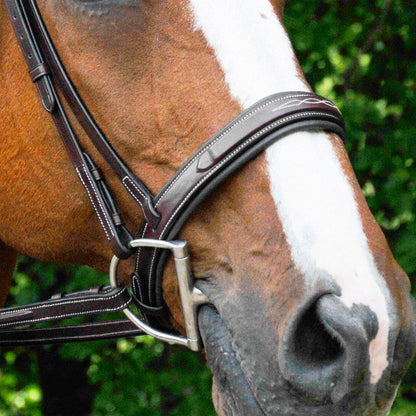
(164, 214)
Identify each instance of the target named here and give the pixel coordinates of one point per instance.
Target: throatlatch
(164, 215)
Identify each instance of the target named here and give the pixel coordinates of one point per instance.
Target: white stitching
(309, 100)
(239, 121)
(94, 205)
(18, 323)
(128, 187)
(67, 315)
(140, 249)
(65, 302)
(151, 271)
(98, 199)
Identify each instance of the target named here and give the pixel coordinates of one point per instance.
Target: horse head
(310, 313)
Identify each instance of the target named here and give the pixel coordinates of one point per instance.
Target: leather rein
(164, 214)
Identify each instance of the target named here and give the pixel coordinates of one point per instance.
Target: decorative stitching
(310, 100)
(151, 271)
(128, 187)
(135, 282)
(140, 249)
(138, 254)
(94, 205)
(18, 323)
(67, 315)
(209, 145)
(64, 302)
(98, 199)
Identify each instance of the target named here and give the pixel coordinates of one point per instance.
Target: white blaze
(314, 199)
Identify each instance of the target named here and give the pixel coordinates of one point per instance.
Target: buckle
(191, 297)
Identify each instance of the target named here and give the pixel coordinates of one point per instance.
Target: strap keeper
(97, 289)
(39, 71)
(96, 174)
(56, 296)
(117, 219)
(147, 309)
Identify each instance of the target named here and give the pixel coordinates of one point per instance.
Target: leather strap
(67, 305)
(31, 53)
(94, 301)
(69, 333)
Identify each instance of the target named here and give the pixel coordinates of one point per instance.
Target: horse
(309, 312)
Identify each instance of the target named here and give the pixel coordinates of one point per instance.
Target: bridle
(164, 214)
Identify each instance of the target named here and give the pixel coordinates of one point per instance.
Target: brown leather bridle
(164, 214)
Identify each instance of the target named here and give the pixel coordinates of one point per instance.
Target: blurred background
(360, 54)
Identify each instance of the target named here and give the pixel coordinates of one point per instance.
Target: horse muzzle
(317, 365)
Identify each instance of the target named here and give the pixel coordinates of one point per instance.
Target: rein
(164, 214)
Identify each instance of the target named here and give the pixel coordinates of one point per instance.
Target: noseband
(164, 214)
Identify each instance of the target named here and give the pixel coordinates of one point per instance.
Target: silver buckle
(191, 297)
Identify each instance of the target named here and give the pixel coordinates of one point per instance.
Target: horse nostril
(313, 345)
(324, 351)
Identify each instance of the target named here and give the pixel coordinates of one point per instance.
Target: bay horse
(311, 314)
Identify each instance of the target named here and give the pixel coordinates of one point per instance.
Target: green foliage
(361, 55)
(20, 392)
(153, 376)
(403, 408)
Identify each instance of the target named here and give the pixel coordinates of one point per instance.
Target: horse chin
(231, 392)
